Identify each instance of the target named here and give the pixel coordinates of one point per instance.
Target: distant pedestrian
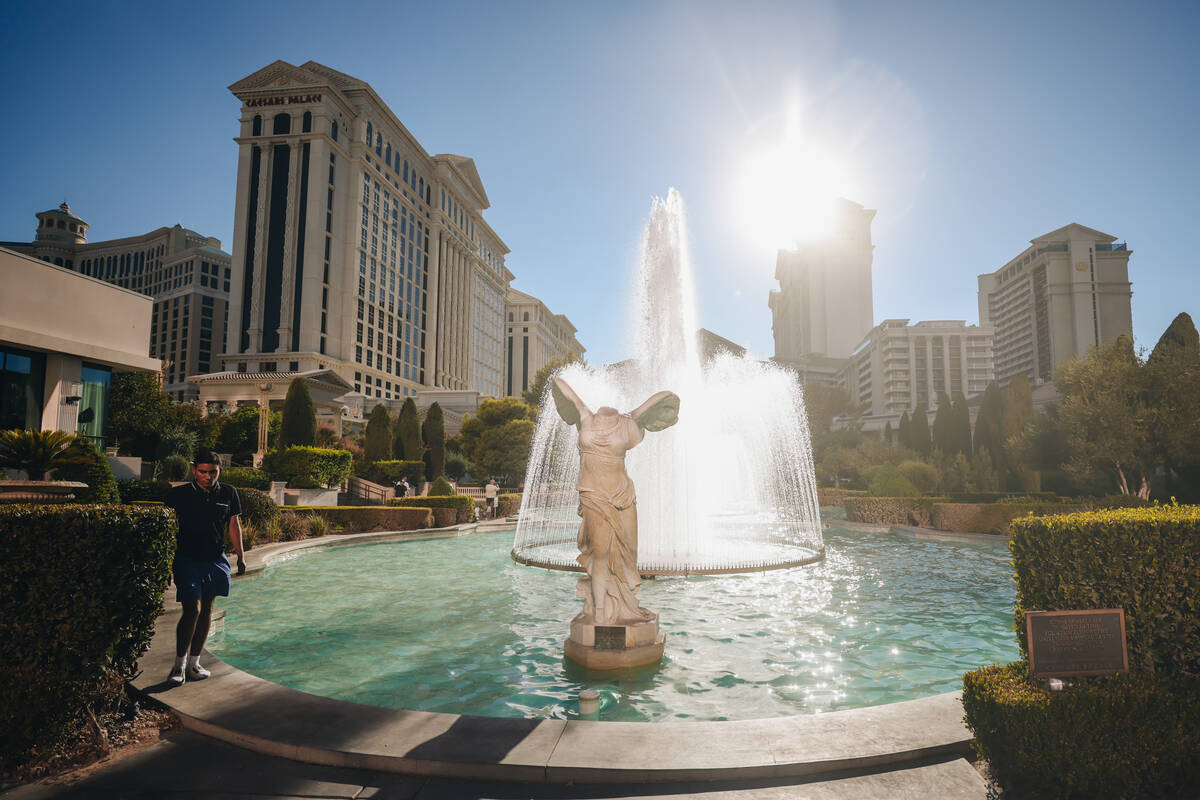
(404, 487)
(207, 510)
(491, 491)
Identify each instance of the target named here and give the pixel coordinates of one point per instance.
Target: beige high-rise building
(823, 306)
(901, 367)
(356, 250)
(536, 335)
(185, 272)
(1063, 295)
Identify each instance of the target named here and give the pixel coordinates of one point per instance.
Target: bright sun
(787, 194)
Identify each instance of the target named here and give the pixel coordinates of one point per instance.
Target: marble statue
(607, 503)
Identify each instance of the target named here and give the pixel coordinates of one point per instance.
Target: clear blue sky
(971, 127)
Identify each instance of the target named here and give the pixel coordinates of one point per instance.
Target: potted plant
(37, 453)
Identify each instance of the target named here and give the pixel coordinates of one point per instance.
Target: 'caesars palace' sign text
(284, 100)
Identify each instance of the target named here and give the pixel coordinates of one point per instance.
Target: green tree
(988, 423)
(492, 413)
(1016, 402)
(962, 425)
(299, 424)
(139, 408)
(943, 426)
(1104, 415)
(433, 430)
(1172, 397)
(922, 442)
(887, 432)
(498, 437)
(378, 444)
(407, 445)
(925, 477)
(239, 433)
(94, 470)
(537, 387)
(888, 481)
(904, 434)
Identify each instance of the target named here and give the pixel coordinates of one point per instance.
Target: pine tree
(378, 445)
(987, 424)
(962, 425)
(1016, 403)
(904, 434)
(434, 432)
(299, 426)
(887, 432)
(407, 445)
(943, 426)
(922, 442)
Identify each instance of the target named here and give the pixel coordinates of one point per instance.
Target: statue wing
(658, 413)
(569, 406)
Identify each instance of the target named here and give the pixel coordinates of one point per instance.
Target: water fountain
(730, 488)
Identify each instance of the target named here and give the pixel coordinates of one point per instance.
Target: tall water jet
(730, 488)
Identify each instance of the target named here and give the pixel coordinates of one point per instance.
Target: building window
(283, 124)
(256, 128)
(333, 126)
(93, 403)
(306, 122)
(22, 386)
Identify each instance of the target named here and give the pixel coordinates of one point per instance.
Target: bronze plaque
(610, 637)
(1069, 644)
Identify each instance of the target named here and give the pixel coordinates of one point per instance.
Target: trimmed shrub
(508, 505)
(80, 587)
(257, 507)
(362, 519)
(463, 505)
(135, 491)
(388, 472)
(836, 497)
(407, 431)
(246, 477)
(996, 497)
(991, 517)
(298, 424)
(175, 468)
(1117, 501)
(1145, 560)
(921, 475)
(310, 467)
(94, 471)
(888, 481)
(1129, 735)
(891, 510)
(441, 488)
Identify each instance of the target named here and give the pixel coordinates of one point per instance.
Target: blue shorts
(195, 579)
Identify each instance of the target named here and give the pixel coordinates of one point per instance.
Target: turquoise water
(454, 625)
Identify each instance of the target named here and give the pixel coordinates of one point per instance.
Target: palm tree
(38, 452)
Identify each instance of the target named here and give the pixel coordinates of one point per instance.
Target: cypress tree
(299, 425)
(1179, 341)
(943, 426)
(962, 425)
(887, 432)
(987, 424)
(407, 445)
(922, 442)
(434, 432)
(378, 445)
(904, 435)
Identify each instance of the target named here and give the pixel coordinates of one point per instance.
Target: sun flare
(788, 194)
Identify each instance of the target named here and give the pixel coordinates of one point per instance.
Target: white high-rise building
(823, 306)
(1063, 295)
(536, 335)
(356, 250)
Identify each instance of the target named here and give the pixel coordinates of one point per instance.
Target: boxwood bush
(80, 587)
(257, 507)
(246, 477)
(134, 491)
(891, 510)
(310, 467)
(836, 497)
(507, 505)
(94, 471)
(990, 517)
(361, 519)
(1129, 735)
(464, 506)
(387, 473)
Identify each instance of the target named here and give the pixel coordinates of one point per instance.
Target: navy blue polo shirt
(203, 518)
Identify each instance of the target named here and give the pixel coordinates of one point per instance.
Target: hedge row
(246, 477)
(133, 491)
(310, 467)
(508, 505)
(361, 519)
(835, 497)
(1129, 735)
(996, 497)
(464, 506)
(891, 510)
(1145, 560)
(80, 587)
(387, 473)
(990, 517)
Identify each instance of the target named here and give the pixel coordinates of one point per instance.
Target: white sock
(193, 661)
(179, 662)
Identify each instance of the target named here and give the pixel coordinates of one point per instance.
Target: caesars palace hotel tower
(354, 249)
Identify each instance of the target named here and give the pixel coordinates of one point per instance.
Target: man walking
(490, 492)
(206, 510)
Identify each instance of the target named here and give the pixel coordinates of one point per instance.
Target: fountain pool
(454, 625)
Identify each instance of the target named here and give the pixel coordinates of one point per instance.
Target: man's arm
(235, 536)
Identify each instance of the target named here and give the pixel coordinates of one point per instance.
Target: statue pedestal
(614, 646)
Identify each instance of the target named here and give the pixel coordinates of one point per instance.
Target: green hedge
(836, 497)
(257, 507)
(441, 488)
(1145, 560)
(246, 477)
(388, 472)
(991, 518)
(996, 497)
(361, 519)
(891, 510)
(1130, 735)
(463, 505)
(134, 491)
(310, 467)
(508, 505)
(95, 472)
(80, 587)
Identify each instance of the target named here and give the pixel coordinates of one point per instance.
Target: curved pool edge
(264, 717)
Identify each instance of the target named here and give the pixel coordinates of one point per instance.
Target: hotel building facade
(1063, 295)
(186, 273)
(356, 250)
(901, 367)
(536, 335)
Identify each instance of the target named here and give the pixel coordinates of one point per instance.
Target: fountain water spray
(730, 488)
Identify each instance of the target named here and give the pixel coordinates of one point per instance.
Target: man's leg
(194, 670)
(184, 632)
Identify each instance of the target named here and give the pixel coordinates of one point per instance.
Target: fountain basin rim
(814, 558)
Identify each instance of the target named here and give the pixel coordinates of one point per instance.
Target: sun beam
(788, 193)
